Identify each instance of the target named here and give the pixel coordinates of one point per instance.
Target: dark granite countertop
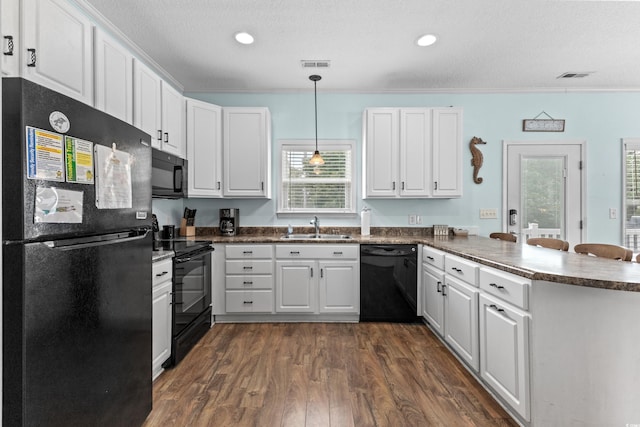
(517, 258)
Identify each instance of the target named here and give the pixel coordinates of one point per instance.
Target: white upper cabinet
(57, 48)
(158, 109)
(412, 152)
(10, 25)
(173, 110)
(247, 152)
(447, 152)
(147, 102)
(113, 77)
(204, 149)
(381, 152)
(415, 165)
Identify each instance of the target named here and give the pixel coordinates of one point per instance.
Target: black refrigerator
(76, 220)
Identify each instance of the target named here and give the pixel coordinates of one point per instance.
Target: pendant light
(317, 159)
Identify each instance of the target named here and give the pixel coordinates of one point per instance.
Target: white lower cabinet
(317, 279)
(296, 286)
(504, 338)
(161, 311)
(504, 352)
(249, 279)
(481, 313)
(339, 287)
(461, 320)
(433, 300)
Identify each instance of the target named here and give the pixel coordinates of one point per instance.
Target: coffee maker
(229, 221)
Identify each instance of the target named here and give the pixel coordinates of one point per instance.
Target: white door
(58, 45)
(339, 287)
(113, 77)
(543, 183)
(204, 149)
(296, 286)
(147, 102)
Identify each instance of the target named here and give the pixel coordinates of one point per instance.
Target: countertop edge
(505, 256)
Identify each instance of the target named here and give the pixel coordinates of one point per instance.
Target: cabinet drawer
(249, 301)
(162, 271)
(317, 251)
(462, 269)
(249, 282)
(433, 257)
(249, 267)
(511, 288)
(249, 251)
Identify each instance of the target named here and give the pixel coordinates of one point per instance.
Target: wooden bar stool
(507, 237)
(604, 250)
(548, 242)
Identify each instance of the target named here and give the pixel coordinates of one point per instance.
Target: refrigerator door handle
(109, 239)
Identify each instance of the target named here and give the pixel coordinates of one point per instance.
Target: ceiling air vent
(315, 63)
(574, 75)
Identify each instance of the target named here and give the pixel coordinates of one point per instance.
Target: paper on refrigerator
(113, 178)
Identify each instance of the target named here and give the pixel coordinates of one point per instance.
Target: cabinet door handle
(247, 302)
(321, 273)
(32, 57)
(496, 286)
(438, 287)
(457, 270)
(166, 137)
(248, 282)
(159, 134)
(443, 286)
(338, 253)
(496, 308)
(311, 271)
(402, 185)
(430, 258)
(393, 185)
(262, 186)
(294, 252)
(218, 185)
(435, 185)
(162, 274)
(247, 252)
(248, 267)
(9, 50)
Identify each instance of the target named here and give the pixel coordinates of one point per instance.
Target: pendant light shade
(316, 159)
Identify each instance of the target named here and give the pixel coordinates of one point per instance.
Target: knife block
(187, 230)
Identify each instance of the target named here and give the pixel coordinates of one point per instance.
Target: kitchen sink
(313, 236)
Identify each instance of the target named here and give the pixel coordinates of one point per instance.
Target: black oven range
(191, 298)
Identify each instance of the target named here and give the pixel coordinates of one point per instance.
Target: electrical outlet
(613, 213)
(418, 219)
(412, 219)
(488, 213)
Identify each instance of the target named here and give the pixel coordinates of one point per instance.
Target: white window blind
(324, 188)
(631, 170)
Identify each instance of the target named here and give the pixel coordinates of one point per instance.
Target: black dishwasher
(388, 283)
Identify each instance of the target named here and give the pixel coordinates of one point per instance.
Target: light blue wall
(601, 119)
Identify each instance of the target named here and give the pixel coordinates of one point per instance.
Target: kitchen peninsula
(582, 335)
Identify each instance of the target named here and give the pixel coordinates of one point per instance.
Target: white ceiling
(484, 45)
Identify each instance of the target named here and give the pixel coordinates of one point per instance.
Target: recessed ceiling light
(426, 40)
(244, 38)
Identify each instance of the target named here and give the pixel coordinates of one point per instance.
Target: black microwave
(168, 176)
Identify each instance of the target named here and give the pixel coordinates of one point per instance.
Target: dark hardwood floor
(321, 374)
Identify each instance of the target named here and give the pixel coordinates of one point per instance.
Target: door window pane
(543, 196)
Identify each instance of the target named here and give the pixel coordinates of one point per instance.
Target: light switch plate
(488, 213)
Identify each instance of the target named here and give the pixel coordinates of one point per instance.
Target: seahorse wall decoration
(476, 158)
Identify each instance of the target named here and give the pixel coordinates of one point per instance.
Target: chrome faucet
(316, 223)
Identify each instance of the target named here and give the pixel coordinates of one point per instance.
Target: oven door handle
(191, 256)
